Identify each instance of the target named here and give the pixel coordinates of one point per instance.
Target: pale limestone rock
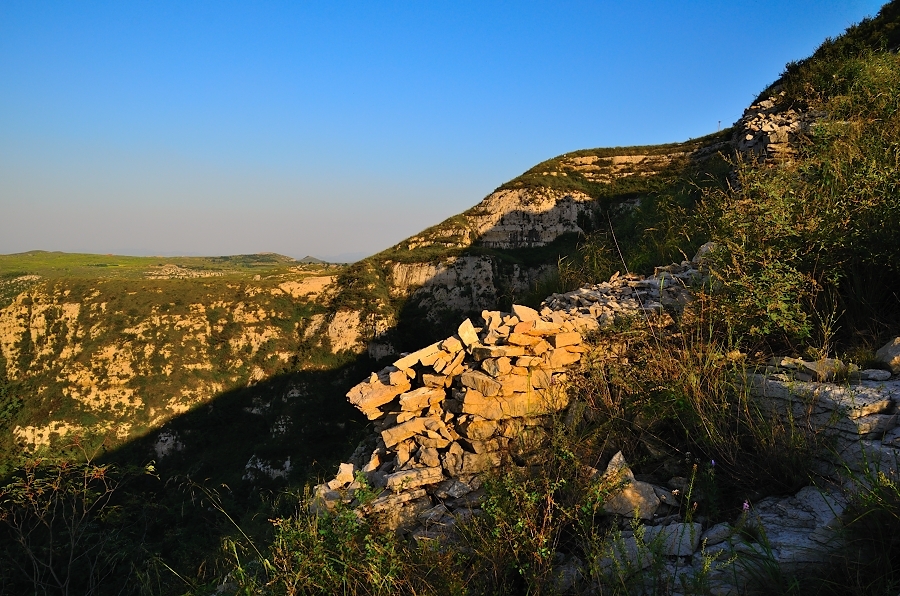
(561, 358)
(540, 348)
(399, 377)
(514, 384)
(522, 339)
(479, 429)
(633, 498)
(401, 432)
(454, 488)
(523, 327)
(345, 474)
(717, 534)
(666, 497)
(564, 339)
(484, 352)
(855, 401)
(407, 415)
(889, 355)
(824, 370)
(525, 313)
(496, 367)
(457, 464)
(529, 361)
(487, 445)
(324, 499)
(344, 331)
(872, 374)
(517, 405)
(480, 382)
(429, 457)
(430, 380)
(369, 396)
(410, 359)
(421, 398)
(452, 345)
(677, 540)
(434, 515)
(404, 517)
(409, 479)
(467, 333)
(542, 328)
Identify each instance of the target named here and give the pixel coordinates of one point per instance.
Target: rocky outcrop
(527, 218)
(484, 399)
(770, 129)
(115, 358)
(463, 284)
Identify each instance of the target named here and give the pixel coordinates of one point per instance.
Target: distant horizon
(339, 258)
(339, 130)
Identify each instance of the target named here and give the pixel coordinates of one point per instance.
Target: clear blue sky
(326, 127)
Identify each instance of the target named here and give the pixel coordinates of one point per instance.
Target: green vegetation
(91, 266)
(805, 258)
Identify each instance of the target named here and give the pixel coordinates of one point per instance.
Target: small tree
(64, 531)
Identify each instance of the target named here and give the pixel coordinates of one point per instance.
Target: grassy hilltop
(206, 392)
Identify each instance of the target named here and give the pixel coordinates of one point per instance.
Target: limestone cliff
(502, 248)
(117, 358)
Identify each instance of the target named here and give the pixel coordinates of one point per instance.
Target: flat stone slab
(371, 395)
(391, 501)
(408, 479)
(676, 540)
(854, 401)
(800, 529)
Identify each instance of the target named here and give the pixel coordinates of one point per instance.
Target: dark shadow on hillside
(215, 463)
(224, 463)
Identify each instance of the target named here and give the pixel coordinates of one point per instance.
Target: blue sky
(330, 128)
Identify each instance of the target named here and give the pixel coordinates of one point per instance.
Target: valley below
(664, 369)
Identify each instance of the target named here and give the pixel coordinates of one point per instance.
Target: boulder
(630, 497)
(411, 359)
(467, 333)
(525, 313)
(561, 340)
(889, 355)
(421, 398)
(401, 432)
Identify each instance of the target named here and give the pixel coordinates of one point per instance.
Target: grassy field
(92, 266)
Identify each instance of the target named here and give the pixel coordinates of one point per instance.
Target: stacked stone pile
(769, 129)
(629, 293)
(482, 399)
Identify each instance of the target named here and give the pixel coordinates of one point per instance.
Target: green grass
(94, 266)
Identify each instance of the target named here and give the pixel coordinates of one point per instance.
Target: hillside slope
(231, 372)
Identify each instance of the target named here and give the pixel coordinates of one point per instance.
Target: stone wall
(770, 129)
(484, 398)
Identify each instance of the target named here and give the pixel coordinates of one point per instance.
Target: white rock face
(344, 331)
(527, 217)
